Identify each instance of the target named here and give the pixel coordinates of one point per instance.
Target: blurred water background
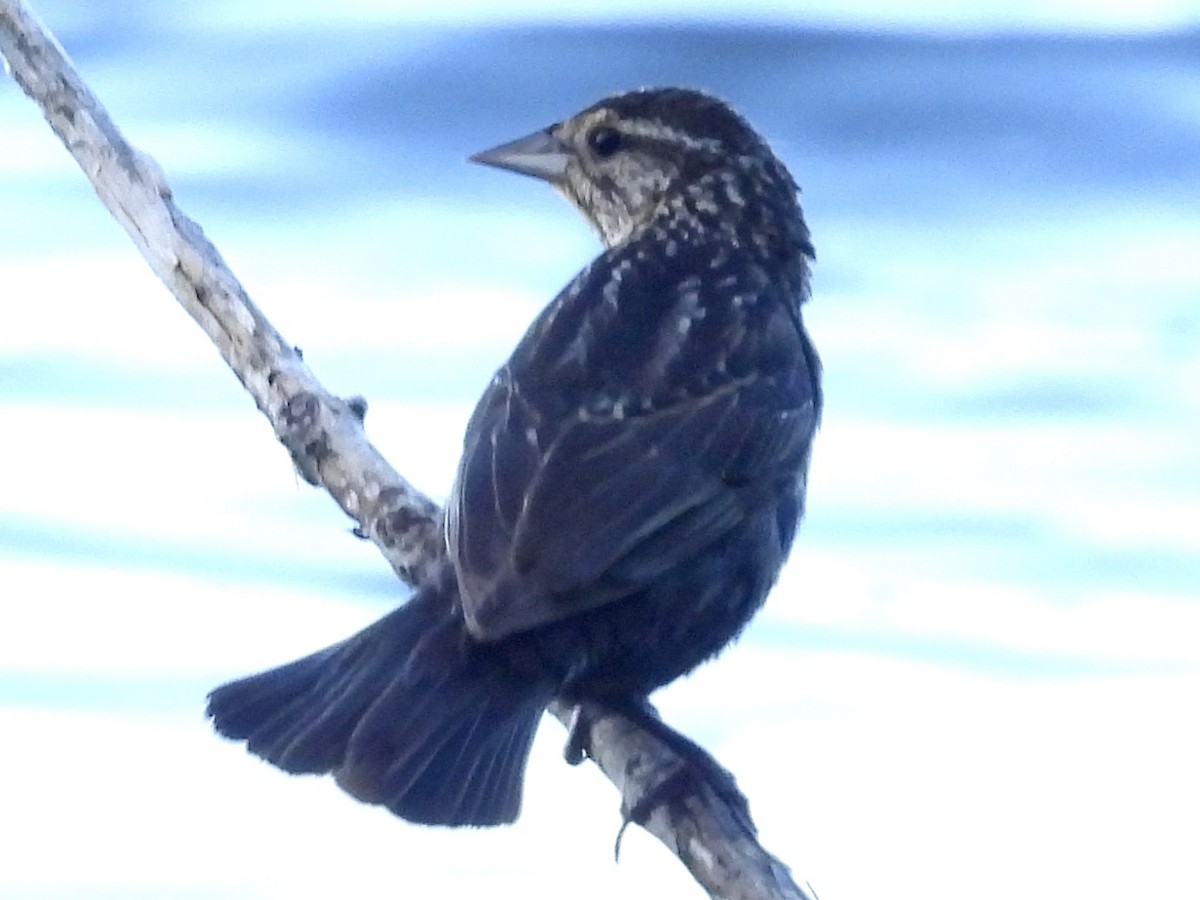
(979, 675)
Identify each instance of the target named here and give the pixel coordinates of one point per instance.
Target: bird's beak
(540, 154)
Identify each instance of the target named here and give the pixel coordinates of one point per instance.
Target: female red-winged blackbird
(630, 483)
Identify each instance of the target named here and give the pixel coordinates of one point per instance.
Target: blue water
(979, 673)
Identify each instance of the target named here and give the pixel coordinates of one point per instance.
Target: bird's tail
(409, 713)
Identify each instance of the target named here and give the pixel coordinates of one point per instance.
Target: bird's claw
(579, 736)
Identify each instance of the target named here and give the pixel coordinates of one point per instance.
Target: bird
(631, 480)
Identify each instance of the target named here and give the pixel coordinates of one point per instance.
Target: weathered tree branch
(325, 438)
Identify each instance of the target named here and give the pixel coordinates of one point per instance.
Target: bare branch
(324, 435)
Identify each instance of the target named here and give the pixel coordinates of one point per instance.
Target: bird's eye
(604, 141)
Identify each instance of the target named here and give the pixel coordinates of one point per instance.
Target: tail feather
(452, 759)
(408, 713)
(476, 772)
(490, 768)
(504, 769)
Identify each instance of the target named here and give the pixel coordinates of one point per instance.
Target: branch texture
(323, 433)
(712, 835)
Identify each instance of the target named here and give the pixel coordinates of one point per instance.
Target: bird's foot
(584, 716)
(686, 775)
(681, 769)
(579, 737)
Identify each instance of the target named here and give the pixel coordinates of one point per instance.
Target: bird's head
(631, 158)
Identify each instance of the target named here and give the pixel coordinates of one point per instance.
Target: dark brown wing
(629, 431)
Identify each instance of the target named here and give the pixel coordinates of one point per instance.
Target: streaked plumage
(630, 484)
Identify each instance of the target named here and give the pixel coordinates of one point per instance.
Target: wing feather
(567, 498)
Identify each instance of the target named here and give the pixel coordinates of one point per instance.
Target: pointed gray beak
(539, 154)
